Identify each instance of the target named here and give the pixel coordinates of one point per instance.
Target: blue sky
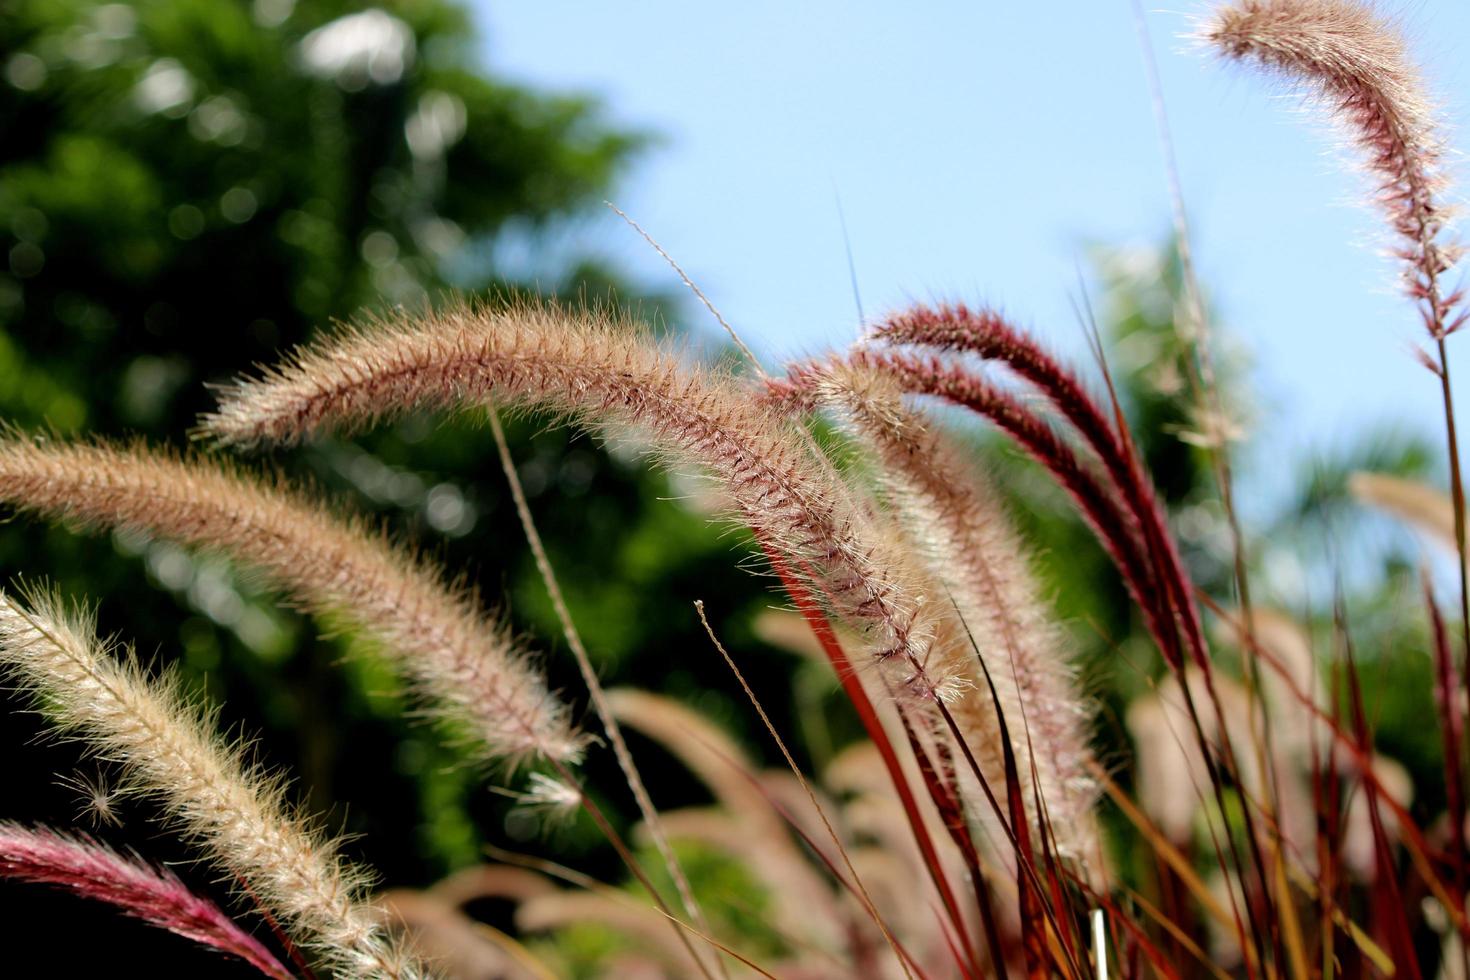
(976, 149)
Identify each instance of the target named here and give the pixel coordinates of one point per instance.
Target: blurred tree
(188, 187)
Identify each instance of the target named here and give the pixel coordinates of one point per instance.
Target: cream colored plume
(1421, 506)
(466, 665)
(168, 750)
(605, 374)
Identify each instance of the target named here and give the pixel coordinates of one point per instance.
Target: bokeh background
(190, 187)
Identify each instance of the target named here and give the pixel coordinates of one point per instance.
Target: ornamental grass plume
(602, 372)
(1356, 63)
(953, 518)
(168, 750)
(466, 665)
(93, 871)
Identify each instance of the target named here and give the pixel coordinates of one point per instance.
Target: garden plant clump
(977, 823)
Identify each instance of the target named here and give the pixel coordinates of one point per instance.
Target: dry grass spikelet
(1356, 62)
(466, 665)
(168, 749)
(603, 372)
(954, 518)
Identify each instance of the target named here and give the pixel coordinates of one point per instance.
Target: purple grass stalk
(96, 872)
(955, 327)
(954, 518)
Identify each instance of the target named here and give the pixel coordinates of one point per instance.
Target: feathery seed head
(168, 749)
(602, 372)
(954, 520)
(551, 796)
(1355, 62)
(467, 666)
(98, 796)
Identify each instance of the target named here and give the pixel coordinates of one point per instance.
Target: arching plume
(466, 665)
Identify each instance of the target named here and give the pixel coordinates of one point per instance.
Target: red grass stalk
(1137, 542)
(1163, 966)
(954, 327)
(939, 780)
(1452, 728)
(827, 637)
(1327, 803)
(1393, 914)
(1362, 762)
(957, 523)
(92, 871)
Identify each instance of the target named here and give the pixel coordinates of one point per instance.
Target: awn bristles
(98, 796)
(1357, 64)
(168, 749)
(954, 518)
(93, 871)
(466, 665)
(607, 375)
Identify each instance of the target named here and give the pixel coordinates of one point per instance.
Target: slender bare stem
(597, 694)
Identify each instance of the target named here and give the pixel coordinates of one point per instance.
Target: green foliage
(188, 187)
